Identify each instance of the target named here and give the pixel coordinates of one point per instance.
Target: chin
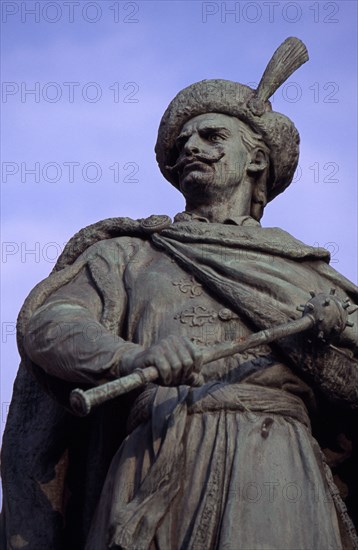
(195, 182)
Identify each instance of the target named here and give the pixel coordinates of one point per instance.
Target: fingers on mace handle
(83, 401)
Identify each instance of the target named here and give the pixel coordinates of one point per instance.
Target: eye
(214, 137)
(180, 142)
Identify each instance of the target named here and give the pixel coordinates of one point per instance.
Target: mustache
(182, 162)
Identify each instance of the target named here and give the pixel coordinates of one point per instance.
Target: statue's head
(215, 154)
(262, 144)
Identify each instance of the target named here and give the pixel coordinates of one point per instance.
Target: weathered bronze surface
(250, 449)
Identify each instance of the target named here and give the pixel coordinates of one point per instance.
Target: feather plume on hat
(250, 106)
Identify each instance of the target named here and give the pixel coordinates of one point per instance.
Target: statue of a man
(222, 455)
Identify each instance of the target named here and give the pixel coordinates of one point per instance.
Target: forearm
(337, 375)
(69, 343)
(328, 350)
(334, 371)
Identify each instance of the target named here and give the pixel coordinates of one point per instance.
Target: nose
(192, 144)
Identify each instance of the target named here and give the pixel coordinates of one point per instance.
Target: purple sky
(103, 73)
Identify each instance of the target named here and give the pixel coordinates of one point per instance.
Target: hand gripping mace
(325, 314)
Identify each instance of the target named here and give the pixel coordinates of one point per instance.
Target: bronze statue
(228, 446)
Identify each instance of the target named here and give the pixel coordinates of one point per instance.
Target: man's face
(212, 157)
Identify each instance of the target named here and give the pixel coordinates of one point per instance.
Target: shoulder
(288, 246)
(115, 251)
(107, 234)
